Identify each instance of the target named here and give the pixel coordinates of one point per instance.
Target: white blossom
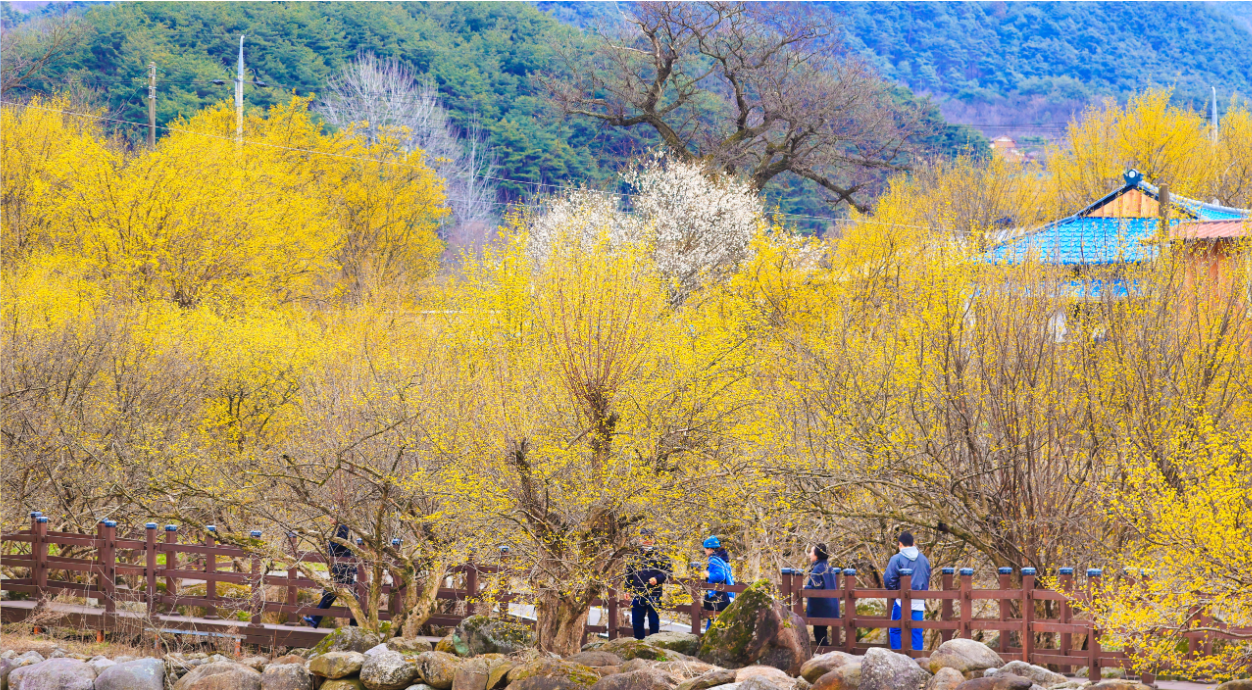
(695, 225)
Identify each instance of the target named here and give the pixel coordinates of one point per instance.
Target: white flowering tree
(694, 224)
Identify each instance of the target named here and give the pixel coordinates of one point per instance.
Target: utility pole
(151, 105)
(1215, 116)
(239, 99)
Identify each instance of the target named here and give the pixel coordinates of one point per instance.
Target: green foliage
(481, 55)
(1071, 51)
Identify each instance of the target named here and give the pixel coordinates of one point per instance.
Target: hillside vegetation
(985, 53)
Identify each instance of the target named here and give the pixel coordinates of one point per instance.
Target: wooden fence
(152, 572)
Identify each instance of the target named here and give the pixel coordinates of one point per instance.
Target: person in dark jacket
(646, 571)
(717, 572)
(342, 571)
(909, 557)
(821, 576)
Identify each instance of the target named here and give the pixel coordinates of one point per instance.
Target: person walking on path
(821, 576)
(909, 557)
(342, 571)
(716, 572)
(646, 571)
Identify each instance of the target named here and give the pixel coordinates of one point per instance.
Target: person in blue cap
(909, 557)
(717, 572)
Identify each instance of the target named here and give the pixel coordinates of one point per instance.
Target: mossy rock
(348, 639)
(757, 630)
(478, 635)
(681, 642)
(576, 674)
(629, 648)
(447, 645)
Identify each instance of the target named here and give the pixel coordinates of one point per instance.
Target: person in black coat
(821, 576)
(646, 571)
(342, 571)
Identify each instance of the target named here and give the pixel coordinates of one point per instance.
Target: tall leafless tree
(383, 98)
(753, 91)
(29, 49)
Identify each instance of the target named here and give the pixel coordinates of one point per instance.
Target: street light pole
(239, 99)
(151, 105)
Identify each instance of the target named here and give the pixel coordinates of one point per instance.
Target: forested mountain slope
(481, 55)
(1065, 52)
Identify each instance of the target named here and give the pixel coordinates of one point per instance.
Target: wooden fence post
(945, 609)
(1093, 637)
(106, 556)
(849, 609)
(471, 588)
(697, 596)
(906, 611)
(293, 572)
(967, 603)
(1028, 614)
(1006, 607)
(258, 588)
(210, 567)
(39, 547)
(171, 564)
(836, 630)
(611, 606)
(149, 565)
(1067, 610)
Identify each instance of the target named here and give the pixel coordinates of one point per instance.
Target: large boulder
(1038, 674)
(286, 677)
(53, 674)
(410, 646)
(437, 669)
(220, 675)
(642, 679)
(387, 670)
(945, 679)
(756, 629)
(349, 639)
(882, 669)
(712, 679)
(336, 665)
(846, 677)
(774, 675)
(684, 670)
(476, 635)
(628, 648)
(343, 684)
(822, 664)
(569, 675)
(1243, 684)
(472, 674)
(1117, 684)
(498, 673)
(141, 674)
(596, 658)
(999, 681)
(681, 642)
(969, 657)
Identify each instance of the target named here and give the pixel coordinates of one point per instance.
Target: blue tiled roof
(1081, 240)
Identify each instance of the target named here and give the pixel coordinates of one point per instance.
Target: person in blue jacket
(716, 572)
(821, 576)
(909, 557)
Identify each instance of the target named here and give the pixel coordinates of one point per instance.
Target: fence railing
(1033, 623)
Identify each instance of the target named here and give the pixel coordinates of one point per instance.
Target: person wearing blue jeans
(646, 571)
(909, 559)
(342, 571)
